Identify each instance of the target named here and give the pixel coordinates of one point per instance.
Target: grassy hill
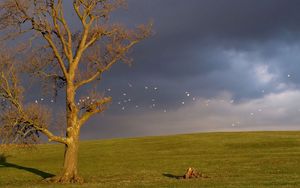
(231, 160)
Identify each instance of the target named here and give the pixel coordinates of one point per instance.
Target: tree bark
(69, 172)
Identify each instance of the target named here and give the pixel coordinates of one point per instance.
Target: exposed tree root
(64, 179)
(192, 173)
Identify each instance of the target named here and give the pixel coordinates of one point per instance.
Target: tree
(65, 56)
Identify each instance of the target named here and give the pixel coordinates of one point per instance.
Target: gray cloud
(190, 34)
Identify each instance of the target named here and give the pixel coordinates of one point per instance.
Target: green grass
(231, 160)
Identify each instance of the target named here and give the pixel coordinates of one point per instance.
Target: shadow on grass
(5, 164)
(171, 176)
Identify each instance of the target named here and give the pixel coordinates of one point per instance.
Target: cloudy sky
(212, 65)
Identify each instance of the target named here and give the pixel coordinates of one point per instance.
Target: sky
(211, 65)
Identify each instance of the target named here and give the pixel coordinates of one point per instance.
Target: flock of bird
(124, 100)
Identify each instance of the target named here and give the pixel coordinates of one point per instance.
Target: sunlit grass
(231, 160)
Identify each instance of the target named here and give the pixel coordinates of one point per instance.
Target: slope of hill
(231, 160)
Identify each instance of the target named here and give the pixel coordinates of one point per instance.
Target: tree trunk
(69, 172)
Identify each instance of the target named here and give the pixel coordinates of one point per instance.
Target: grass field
(231, 160)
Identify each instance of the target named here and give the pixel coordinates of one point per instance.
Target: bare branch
(92, 105)
(57, 55)
(20, 123)
(57, 17)
(51, 136)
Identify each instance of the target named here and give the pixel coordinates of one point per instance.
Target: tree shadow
(5, 164)
(172, 176)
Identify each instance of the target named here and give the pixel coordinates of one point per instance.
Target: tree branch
(46, 34)
(51, 136)
(57, 55)
(95, 108)
(57, 15)
(107, 67)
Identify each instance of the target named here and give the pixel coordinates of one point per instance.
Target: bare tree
(68, 57)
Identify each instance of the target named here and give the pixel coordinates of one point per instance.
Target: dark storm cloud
(227, 19)
(191, 35)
